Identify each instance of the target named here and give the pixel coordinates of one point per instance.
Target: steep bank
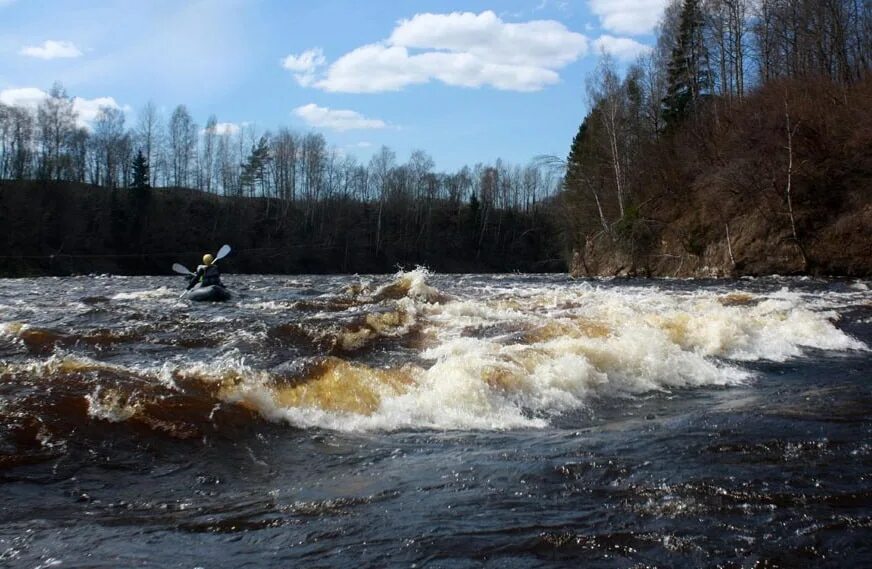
(779, 184)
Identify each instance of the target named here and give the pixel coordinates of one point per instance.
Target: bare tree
(227, 162)
(207, 160)
(380, 166)
(182, 145)
(605, 94)
(56, 119)
(285, 151)
(110, 143)
(149, 138)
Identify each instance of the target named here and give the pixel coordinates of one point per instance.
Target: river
(423, 420)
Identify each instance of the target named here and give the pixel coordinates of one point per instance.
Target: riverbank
(779, 183)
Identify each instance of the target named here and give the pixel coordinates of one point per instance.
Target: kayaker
(207, 274)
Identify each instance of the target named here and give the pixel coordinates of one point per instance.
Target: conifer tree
(688, 77)
(254, 169)
(573, 178)
(576, 183)
(140, 172)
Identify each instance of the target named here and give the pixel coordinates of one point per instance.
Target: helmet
(207, 259)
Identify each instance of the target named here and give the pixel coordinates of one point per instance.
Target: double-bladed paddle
(182, 270)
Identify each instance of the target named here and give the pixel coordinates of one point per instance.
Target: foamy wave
(552, 351)
(506, 358)
(110, 406)
(61, 362)
(412, 284)
(161, 292)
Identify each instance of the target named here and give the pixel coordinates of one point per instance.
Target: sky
(465, 81)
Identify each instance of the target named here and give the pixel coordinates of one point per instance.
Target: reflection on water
(449, 420)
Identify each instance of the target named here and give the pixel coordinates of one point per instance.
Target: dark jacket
(206, 275)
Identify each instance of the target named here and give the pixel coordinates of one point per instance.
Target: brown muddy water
(422, 420)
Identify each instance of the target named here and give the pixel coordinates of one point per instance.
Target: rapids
(436, 420)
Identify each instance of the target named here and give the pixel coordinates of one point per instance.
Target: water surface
(436, 421)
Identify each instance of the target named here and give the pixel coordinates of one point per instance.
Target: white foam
(647, 340)
(415, 283)
(109, 407)
(160, 292)
(513, 355)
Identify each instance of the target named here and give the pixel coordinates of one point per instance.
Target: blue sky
(466, 81)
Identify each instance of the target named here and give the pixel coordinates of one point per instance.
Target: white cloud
(634, 17)
(334, 119)
(544, 43)
(29, 97)
(86, 109)
(624, 49)
(376, 68)
(459, 49)
(305, 65)
(309, 60)
(52, 49)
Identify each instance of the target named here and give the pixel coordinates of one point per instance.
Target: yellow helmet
(207, 259)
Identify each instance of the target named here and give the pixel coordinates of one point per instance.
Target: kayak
(213, 293)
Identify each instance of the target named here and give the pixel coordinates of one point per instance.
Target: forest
(105, 198)
(739, 144)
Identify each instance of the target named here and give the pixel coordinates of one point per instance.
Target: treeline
(69, 228)
(48, 143)
(299, 196)
(738, 145)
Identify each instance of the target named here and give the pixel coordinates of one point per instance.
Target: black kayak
(213, 293)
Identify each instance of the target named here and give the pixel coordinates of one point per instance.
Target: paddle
(179, 268)
(222, 252)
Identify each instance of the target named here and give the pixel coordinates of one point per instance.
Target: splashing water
(558, 409)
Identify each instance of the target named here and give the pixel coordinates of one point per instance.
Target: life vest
(211, 275)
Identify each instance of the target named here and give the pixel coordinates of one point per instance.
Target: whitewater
(443, 420)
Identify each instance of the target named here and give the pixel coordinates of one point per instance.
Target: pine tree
(688, 76)
(572, 180)
(576, 181)
(255, 166)
(140, 172)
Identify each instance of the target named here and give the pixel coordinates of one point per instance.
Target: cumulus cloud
(52, 49)
(634, 17)
(309, 60)
(541, 43)
(458, 49)
(340, 120)
(624, 49)
(29, 97)
(86, 109)
(304, 65)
